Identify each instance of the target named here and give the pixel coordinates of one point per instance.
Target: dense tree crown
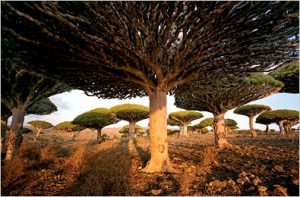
(230, 122)
(42, 107)
(130, 112)
(40, 124)
(23, 88)
(206, 122)
(128, 48)
(96, 118)
(274, 116)
(172, 122)
(68, 126)
(251, 110)
(289, 75)
(226, 93)
(185, 117)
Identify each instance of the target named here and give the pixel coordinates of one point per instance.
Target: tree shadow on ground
(105, 171)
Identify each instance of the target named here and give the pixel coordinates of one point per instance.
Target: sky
(71, 104)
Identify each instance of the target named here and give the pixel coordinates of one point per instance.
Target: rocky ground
(267, 165)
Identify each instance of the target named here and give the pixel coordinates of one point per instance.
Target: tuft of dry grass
(105, 172)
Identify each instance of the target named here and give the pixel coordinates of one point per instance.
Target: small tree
(220, 96)
(284, 118)
(67, 126)
(230, 124)
(262, 120)
(289, 75)
(251, 111)
(96, 119)
(184, 118)
(39, 125)
(125, 130)
(131, 113)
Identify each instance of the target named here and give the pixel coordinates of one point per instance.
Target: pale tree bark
(281, 128)
(131, 133)
(184, 130)
(252, 130)
(15, 133)
(180, 130)
(99, 136)
(37, 135)
(3, 134)
(159, 161)
(220, 131)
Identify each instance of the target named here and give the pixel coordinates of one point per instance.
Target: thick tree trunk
(99, 136)
(267, 129)
(180, 130)
(184, 130)
(15, 133)
(220, 131)
(252, 130)
(3, 134)
(159, 161)
(37, 134)
(131, 133)
(281, 129)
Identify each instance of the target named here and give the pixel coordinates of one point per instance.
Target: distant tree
(222, 95)
(67, 126)
(39, 125)
(283, 117)
(230, 124)
(262, 120)
(128, 49)
(137, 129)
(96, 119)
(206, 122)
(21, 89)
(289, 75)
(184, 118)
(131, 113)
(251, 111)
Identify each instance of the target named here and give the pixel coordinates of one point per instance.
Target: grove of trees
(221, 96)
(67, 126)
(129, 49)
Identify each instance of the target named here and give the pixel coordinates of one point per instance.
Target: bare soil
(56, 165)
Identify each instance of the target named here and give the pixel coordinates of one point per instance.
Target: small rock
(263, 191)
(280, 191)
(140, 167)
(278, 168)
(243, 174)
(231, 183)
(156, 192)
(256, 181)
(240, 181)
(217, 183)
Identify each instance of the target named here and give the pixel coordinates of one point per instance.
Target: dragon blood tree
(184, 118)
(131, 113)
(67, 126)
(222, 95)
(21, 89)
(289, 75)
(129, 49)
(262, 120)
(39, 125)
(251, 111)
(230, 124)
(172, 122)
(283, 117)
(96, 119)
(126, 129)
